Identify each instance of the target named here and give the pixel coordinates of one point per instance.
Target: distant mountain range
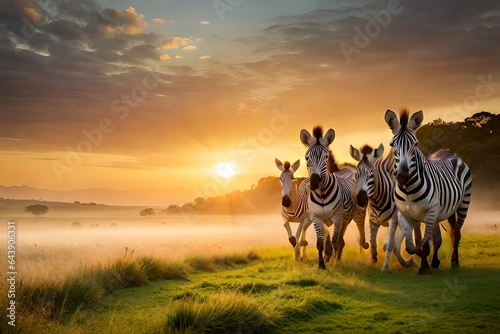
(105, 196)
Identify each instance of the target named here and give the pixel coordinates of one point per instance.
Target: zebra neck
(417, 178)
(327, 181)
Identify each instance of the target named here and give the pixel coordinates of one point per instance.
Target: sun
(226, 170)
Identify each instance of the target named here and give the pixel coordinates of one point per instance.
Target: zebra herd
(403, 189)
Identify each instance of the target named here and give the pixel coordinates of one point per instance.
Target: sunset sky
(152, 95)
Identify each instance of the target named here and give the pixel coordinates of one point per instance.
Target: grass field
(235, 275)
(268, 292)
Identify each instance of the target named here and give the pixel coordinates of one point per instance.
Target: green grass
(267, 292)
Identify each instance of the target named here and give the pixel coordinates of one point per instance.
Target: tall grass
(54, 300)
(226, 312)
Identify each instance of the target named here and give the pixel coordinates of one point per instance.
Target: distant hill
(111, 197)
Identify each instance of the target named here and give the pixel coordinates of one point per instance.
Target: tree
(147, 212)
(37, 209)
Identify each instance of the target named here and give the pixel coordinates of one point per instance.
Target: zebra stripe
(333, 195)
(428, 189)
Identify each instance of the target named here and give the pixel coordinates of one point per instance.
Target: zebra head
(317, 154)
(286, 180)
(365, 171)
(404, 142)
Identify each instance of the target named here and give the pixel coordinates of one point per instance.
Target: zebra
(333, 197)
(427, 190)
(293, 204)
(375, 176)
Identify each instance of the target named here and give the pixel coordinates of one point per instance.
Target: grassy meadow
(225, 274)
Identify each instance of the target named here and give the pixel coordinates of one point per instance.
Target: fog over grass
(49, 247)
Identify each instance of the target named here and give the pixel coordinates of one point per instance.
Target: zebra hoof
(408, 263)
(365, 245)
(385, 247)
(303, 243)
(374, 260)
(322, 266)
(424, 271)
(293, 241)
(454, 264)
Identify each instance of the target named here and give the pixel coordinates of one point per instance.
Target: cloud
(165, 57)
(190, 48)
(174, 43)
(204, 22)
(116, 21)
(159, 21)
(204, 57)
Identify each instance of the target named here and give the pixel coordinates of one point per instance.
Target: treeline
(476, 140)
(263, 197)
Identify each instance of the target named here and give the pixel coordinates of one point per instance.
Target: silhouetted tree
(147, 212)
(475, 140)
(37, 209)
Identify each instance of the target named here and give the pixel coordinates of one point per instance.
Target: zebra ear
(416, 120)
(296, 165)
(379, 152)
(355, 154)
(279, 164)
(392, 120)
(306, 138)
(328, 138)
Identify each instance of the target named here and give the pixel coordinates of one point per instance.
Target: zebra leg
(291, 238)
(436, 241)
(397, 250)
(359, 219)
(408, 225)
(373, 240)
(459, 220)
(320, 244)
(303, 241)
(328, 244)
(455, 240)
(424, 248)
(390, 244)
(338, 238)
(300, 233)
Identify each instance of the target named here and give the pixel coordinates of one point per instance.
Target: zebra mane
(318, 133)
(365, 150)
(403, 118)
(286, 165)
(331, 163)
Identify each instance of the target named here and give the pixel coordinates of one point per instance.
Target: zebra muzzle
(286, 201)
(362, 198)
(402, 178)
(314, 181)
